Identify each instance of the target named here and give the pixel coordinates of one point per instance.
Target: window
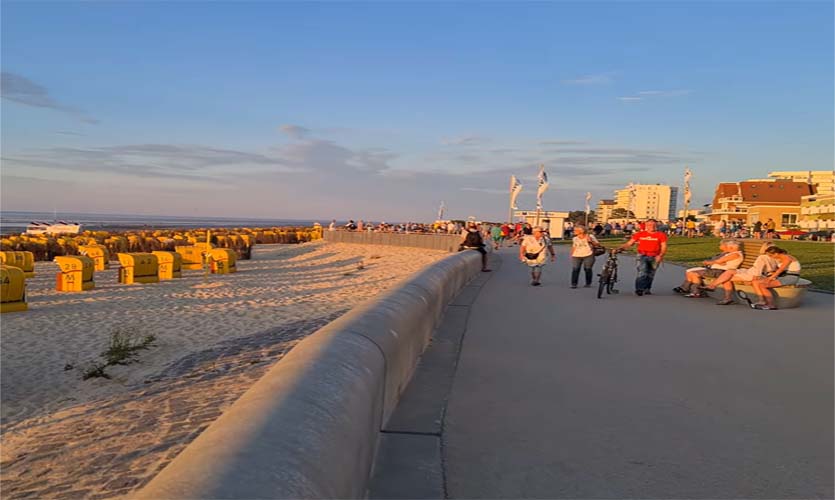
(789, 219)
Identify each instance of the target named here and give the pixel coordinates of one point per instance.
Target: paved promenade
(560, 395)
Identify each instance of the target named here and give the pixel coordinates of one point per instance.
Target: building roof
(724, 190)
(759, 192)
(778, 191)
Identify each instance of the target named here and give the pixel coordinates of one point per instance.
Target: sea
(15, 222)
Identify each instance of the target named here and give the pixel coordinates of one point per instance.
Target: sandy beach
(214, 336)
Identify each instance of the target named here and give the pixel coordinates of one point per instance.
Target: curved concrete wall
(309, 428)
(448, 242)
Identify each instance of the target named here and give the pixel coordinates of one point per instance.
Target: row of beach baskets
(76, 272)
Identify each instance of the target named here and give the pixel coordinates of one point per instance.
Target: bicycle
(609, 275)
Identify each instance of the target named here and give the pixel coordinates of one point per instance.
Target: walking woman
(532, 252)
(582, 254)
(788, 273)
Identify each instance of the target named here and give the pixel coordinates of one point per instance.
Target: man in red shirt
(652, 245)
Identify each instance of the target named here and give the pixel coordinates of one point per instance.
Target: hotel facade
(760, 200)
(817, 211)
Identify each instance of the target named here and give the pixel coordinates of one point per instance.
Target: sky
(382, 110)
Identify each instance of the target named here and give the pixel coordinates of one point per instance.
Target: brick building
(759, 200)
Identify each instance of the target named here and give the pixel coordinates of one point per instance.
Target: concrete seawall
(448, 242)
(310, 427)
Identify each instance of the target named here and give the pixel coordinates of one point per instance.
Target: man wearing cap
(652, 245)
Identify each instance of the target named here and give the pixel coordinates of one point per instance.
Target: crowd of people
(497, 232)
(689, 228)
(439, 227)
(773, 268)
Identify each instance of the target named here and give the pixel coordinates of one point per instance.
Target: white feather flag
(515, 189)
(543, 186)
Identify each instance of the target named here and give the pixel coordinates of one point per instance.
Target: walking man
(652, 245)
(532, 252)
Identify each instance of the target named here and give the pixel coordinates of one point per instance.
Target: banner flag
(515, 189)
(543, 186)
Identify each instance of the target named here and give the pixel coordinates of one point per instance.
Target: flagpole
(686, 199)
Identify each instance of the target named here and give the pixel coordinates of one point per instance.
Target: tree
(579, 216)
(622, 213)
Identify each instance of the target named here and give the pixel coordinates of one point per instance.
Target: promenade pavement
(556, 394)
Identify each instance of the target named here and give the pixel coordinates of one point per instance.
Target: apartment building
(651, 201)
(817, 211)
(604, 210)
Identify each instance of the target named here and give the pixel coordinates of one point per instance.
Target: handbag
(596, 248)
(534, 256)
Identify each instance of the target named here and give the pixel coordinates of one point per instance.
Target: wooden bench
(785, 297)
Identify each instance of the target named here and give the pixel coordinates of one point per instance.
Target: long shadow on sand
(114, 446)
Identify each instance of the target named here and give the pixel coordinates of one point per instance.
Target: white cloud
(560, 142)
(644, 94)
(664, 93)
(596, 79)
(295, 131)
(467, 140)
(306, 176)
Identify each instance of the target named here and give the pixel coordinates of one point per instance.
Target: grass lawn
(816, 259)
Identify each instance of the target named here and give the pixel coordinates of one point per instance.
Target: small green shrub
(124, 346)
(122, 350)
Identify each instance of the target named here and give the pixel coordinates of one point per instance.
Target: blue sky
(382, 110)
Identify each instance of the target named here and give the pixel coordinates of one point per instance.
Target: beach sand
(64, 436)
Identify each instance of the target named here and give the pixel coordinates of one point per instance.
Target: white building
(817, 211)
(553, 221)
(648, 201)
(604, 210)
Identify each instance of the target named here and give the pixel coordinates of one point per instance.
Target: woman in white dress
(532, 252)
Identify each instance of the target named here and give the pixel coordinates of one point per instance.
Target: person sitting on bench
(788, 273)
(730, 259)
(764, 264)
